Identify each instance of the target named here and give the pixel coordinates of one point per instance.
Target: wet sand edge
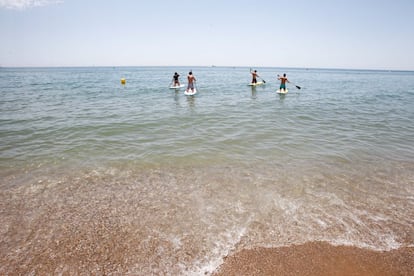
(318, 258)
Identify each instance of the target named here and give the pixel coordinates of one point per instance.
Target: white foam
(225, 243)
(387, 243)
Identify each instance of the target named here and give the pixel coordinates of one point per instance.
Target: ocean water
(99, 177)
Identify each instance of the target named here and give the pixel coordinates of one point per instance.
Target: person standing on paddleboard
(283, 81)
(191, 80)
(254, 76)
(175, 78)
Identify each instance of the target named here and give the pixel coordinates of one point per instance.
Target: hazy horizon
(299, 34)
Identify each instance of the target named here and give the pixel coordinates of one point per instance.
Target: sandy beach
(318, 258)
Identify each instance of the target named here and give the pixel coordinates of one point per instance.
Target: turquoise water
(85, 115)
(231, 167)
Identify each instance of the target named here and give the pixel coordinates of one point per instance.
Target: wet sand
(318, 258)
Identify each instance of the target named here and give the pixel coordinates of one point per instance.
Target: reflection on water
(254, 92)
(281, 96)
(191, 100)
(177, 97)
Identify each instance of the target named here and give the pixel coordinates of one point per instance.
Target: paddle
(194, 81)
(195, 86)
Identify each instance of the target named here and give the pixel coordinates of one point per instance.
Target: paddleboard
(283, 91)
(255, 84)
(190, 92)
(177, 86)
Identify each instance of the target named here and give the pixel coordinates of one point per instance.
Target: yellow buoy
(123, 81)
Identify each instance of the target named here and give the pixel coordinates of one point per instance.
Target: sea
(97, 177)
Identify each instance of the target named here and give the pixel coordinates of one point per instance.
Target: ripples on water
(141, 179)
(85, 114)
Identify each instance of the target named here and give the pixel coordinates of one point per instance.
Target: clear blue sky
(365, 34)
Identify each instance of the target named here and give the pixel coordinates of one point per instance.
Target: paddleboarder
(176, 80)
(191, 79)
(283, 81)
(254, 76)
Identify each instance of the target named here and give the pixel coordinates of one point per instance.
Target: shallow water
(139, 179)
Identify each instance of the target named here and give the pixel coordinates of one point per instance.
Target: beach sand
(318, 258)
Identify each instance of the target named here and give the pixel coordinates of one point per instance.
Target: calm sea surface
(139, 178)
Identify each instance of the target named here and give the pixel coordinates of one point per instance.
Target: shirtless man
(254, 76)
(191, 80)
(283, 81)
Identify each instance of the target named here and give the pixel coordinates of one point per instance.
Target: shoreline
(318, 258)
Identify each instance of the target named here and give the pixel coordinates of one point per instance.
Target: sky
(351, 34)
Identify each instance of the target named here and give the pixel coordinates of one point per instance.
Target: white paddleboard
(283, 91)
(177, 86)
(190, 92)
(255, 84)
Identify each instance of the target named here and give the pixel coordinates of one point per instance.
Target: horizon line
(206, 66)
